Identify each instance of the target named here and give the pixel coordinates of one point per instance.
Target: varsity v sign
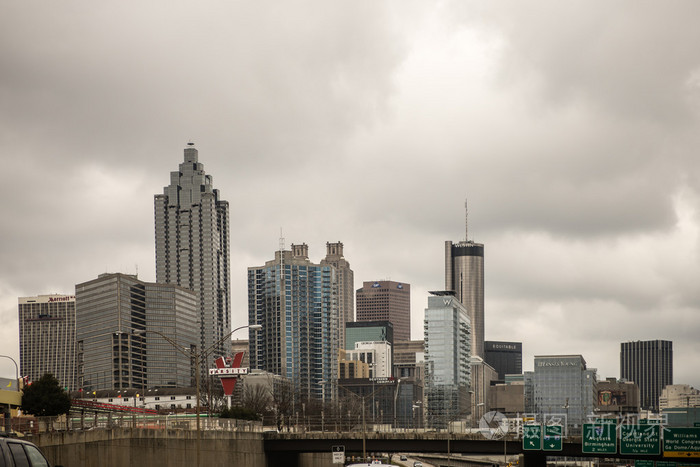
(228, 370)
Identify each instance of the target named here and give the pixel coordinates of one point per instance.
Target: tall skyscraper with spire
(192, 246)
(464, 275)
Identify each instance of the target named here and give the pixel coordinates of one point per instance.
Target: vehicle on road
(417, 464)
(15, 452)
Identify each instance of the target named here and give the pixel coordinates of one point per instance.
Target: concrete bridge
(120, 447)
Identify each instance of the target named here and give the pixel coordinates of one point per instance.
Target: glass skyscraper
(115, 350)
(447, 331)
(295, 301)
(650, 365)
(192, 247)
(561, 388)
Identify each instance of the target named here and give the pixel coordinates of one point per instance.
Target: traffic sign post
(640, 439)
(682, 442)
(553, 438)
(600, 438)
(532, 437)
(338, 454)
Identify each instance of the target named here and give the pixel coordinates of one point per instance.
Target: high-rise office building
(192, 247)
(447, 359)
(483, 376)
(505, 357)
(116, 350)
(386, 301)
(295, 302)
(47, 338)
(464, 275)
(650, 365)
(362, 331)
(346, 286)
(561, 387)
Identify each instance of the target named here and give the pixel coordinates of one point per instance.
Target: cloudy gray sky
(572, 128)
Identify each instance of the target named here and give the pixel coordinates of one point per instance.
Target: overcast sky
(571, 127)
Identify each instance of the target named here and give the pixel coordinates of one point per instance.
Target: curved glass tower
(464, 275)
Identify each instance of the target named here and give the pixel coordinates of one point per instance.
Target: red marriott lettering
(66, 298)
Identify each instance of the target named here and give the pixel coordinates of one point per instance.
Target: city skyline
(578, 157)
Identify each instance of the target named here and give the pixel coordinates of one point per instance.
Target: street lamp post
(197, 356)
(16, 368)
(396, 394)
(449, 433)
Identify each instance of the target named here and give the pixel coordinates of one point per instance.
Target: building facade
(346, 286)
(241, 345)
(409, 367)
(192, 247)
(295, 302)
(47, 338)
(617, 397)
(562, 389)
(505, 357)
(679, 395)
(386, 301)
(376, 354)
(508, 399)
(363, 331)
(350, 367)
(116, 349)
(464, 275)
(650, 365)
(483, 375)
(447, 360)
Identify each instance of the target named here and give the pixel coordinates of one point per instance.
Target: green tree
(239, 413)
(45, 398)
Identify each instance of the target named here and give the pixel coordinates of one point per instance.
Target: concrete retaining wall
(123, 447)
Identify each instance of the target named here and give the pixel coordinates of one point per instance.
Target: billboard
(609, 398)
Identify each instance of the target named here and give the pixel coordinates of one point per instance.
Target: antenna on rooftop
(466, 220)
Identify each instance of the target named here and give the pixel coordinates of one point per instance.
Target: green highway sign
(682, 442)
(665, 464)
(553, 438)
(532, 437)
(599, 438)
(640, 439)
(643, 463)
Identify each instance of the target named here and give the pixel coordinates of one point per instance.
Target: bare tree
(257, 398)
